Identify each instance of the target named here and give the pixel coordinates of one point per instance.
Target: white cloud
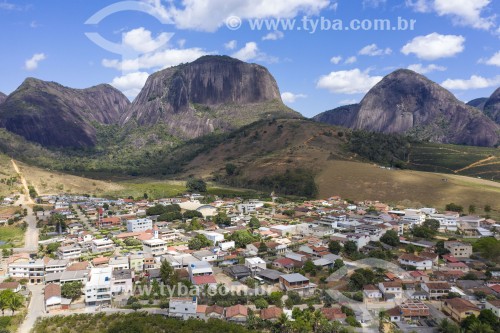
(421, 6)
(141, 40)
(209, 15)
(348, 102)
(130, 84)
(290, 98)
(474, 82)
(336, 60)
(351, 60)
(275, 35)
(493, 61)
(466, 12)
(373, 3)
(348, 82)
(372, 50)
(181, 43)
(422, 69)
(251, 52)
(32, 63)
(231, 45)
(160, 59)
(434, 46)
(462, 12)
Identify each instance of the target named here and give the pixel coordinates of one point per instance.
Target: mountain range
(408, 103)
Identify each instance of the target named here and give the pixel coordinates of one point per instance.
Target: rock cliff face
(57, 116)
(209, 94)
(3, 97)
(478, 103)
(492, 106)
(408, 103)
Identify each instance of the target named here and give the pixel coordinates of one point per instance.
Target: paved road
(36, 308)
(84, 219)
(435, 312)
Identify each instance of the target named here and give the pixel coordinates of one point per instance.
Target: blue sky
(454, 42)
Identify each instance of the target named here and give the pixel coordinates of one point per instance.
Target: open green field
(12, 235)
(361, 181)
(154, 189)
(464, 160)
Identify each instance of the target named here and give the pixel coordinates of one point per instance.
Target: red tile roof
(204, 279)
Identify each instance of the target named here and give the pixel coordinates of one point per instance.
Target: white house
(56, 266)
(214, 237)
(391, 288)
(371, 292)
(184, 307)
(205, 255)
(102, 245)
(139, 225)
(98, 286)
(122, 281)
(420, 263)
(255, 264)
(154, 247)
(494, 306)
(69, 252)
(119, 263)
(224, 246)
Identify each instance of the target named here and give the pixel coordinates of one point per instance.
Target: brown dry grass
(359, 181)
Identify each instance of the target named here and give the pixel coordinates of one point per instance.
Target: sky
(323, 53)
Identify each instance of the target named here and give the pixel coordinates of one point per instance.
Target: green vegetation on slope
(132, 323)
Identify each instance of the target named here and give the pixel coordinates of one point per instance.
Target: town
(257, 262)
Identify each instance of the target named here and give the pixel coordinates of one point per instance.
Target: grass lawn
(154, 189)
(12, 235)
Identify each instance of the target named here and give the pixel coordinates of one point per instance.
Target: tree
(391, 238)
(189, 214)
(294, 297)
(199, 241)
(446, 326)
(136, 306)
(132, 242)
(472, 209)
(440, 249)
(334, 247)
(58, 221)
(350, 247)
(196, 185)
(10, 300)
(488, 317)
(261, 303)
(166, 273)
(487, 208)
(452, 207)
(170, 216)
(478, 327)
(52, 248)
(222, 219)
(338, 264)
(488, 247)
(72, 290)
(241, 238)
(262, 247)
(254, 223)
(431, 224)
(309, 266)
(230, 169)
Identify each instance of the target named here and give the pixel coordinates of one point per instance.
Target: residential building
(205, 255)
(212, 236)
(391, 289)
(136, 262)
(119, 263)
(459, 308)
(237, 313)
(458, 249)
(436, 290)
(296, 282)
(183, 307)
(139, 225)
(420, 263)
(102, 245)
(154, 247)
(69, 252)
(255, 264)
(98, 286)
(122, 281)
(56, 266)
(371, 292)
(201, 273)
(52, 297)
(22, 267)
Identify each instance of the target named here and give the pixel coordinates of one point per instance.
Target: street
(36, 308)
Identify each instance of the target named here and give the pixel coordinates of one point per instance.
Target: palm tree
(446, 326)
(15, 302)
